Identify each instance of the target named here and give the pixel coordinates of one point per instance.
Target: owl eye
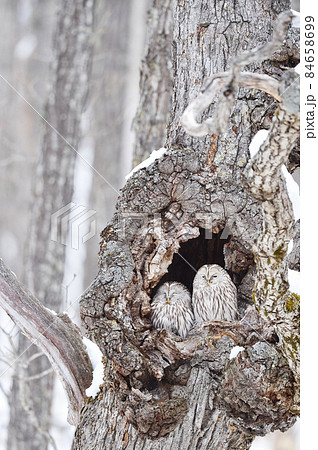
(203, 276)
(214, 276)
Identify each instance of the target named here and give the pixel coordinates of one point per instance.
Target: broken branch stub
(210, 92)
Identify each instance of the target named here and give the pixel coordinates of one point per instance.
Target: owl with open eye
(171, 309)
(214, 295)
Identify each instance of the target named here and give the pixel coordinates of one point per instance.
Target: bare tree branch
(218, 124)
(23, 393)
(56, 335)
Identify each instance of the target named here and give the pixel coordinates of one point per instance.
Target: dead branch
(159, 382)
(57, 336)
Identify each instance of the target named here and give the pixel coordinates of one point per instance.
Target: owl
(214, 295)
(171, 309)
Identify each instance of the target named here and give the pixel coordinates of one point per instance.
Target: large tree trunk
(161, 392)
(155, 82)
(116, 34)
(30, 400)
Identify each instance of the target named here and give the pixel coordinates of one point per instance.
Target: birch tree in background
(31, 394)
(118, 33)
(181, 395)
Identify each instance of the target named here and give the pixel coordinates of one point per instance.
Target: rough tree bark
(56, 335)
(30, 401)
(160, 392)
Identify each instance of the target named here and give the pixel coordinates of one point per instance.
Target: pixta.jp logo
(73, 223)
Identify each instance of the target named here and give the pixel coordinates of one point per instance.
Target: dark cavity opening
(205, 249)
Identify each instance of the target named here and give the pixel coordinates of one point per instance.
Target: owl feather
(171, 309)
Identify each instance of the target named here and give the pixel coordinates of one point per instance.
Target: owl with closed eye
(171, 309)
(214, 295)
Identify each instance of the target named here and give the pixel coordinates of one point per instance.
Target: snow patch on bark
(95, 356)
(296, 19)
(235, 351)
(290, 246)
(257, 141)
(156, 154)
(293, 191)
(294, 281)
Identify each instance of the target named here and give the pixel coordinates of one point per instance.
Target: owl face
(209, 275)
(169, 293)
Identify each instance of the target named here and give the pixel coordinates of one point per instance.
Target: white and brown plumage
(171, 309)
(214, 295)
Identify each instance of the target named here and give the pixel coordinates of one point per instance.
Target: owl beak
(208, 281)
(168, 299)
